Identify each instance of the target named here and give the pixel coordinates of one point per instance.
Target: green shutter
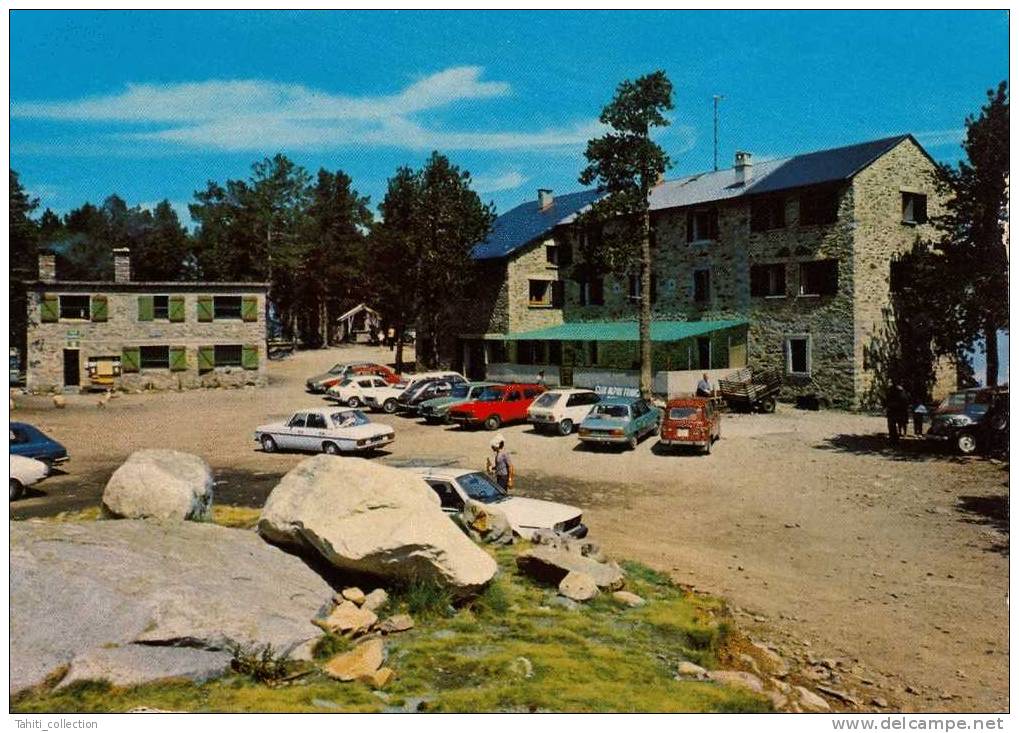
(145, 307)
(249, 308)
(176, 308)
(100, 308)
(130, 359)
(206, 358)
(50, 309)
(204, 308)
(249, 356)
(178, 359)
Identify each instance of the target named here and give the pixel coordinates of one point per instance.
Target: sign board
(609, 390)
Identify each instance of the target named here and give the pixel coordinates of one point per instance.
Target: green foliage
(22, 237)
(329, 645)
(493, 601)
(265, 664)
(424, 598)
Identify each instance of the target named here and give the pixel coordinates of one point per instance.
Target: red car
(497, 405)
(691, 421)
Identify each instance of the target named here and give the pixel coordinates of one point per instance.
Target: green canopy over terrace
(661, 331)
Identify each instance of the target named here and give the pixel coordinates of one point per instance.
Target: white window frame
(787, 347)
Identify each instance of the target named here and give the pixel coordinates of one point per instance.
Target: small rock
(689, 669)
(379, 678)
(771, 658)
(733, 678)
(375, 600)
(750, 662)
(523, 667)
(912, 690)
(347, 618)
(578, 586)
(563, 602)
(879, 702)
(811, 701)
(360, 661)
(778, 700)
(354, 595)
(396, 624)
(59, 402)
(838, 695)
(628, 599)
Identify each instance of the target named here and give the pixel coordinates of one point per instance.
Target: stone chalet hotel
(143, 335)
(781, 264)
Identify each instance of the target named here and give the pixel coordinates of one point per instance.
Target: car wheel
(354, 402)
(389, 406)
(966, 443)
(632, 442)
(268, 444)
(655, 429)
(768, 405)
(492, 422)
(565, 426)
(16, 489)
(331, 448)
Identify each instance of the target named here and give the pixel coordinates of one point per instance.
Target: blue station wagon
(29, 441)
(620, 421)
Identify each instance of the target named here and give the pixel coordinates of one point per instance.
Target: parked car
(426, 389)
(692, 421)
(330, 430)
(322, 382)
(25, 472)
(387, 399)
(355, 390)
(436, 410)
(526, 516)
(620, 421)
(30, 442)
(959, 419)
(496, 406)
(561, 410)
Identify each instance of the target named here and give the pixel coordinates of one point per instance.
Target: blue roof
(526, 222)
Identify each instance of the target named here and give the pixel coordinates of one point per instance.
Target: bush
(427, 598)
(329, 645)
(264, 665)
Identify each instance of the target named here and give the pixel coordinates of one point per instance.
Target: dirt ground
(879, 572)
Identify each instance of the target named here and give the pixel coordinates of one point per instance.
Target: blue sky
(150, 105)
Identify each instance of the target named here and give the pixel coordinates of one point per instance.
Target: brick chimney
(743, 168)
(122, 265)
(545, 198)
(47, 266)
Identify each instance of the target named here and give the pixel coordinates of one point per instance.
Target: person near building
(704, 387)
(919, 415)
(896, 405)
(541, 377)
(499, 464)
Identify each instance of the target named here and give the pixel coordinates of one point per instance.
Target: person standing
(919, 415)
(499, 464)
(541, 377)
(894, 405)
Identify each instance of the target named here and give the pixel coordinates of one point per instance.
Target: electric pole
(717, 97)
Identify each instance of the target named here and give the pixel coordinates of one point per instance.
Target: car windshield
(610, 411)
(682, 413)
(547, 400)
(460, 390)
(338, 369)
(349, 419)
(490, 394)
(346, 382)
(481, 488)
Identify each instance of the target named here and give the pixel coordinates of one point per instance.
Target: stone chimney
(743, 168)
(122, 265)
(47, 266)
(545, 198)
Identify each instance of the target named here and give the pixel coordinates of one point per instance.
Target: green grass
(600, 658)
(238, 517)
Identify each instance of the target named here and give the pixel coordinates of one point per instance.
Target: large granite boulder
(363, 517)
(134, 600)
(160, 484)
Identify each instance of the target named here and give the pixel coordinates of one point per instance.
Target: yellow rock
(379, 678)
(361, 661)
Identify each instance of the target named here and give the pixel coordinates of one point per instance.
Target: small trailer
(748, 390)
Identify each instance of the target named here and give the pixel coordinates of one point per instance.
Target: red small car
(691, 421)
(497, 405)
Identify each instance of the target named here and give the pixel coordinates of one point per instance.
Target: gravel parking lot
(887, 568)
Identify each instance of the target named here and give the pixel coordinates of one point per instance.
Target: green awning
(623, 331)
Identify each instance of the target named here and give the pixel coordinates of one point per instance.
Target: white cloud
(493, 182)
(236, 115)
(941, 138)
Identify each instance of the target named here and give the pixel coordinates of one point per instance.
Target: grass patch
(238, 517)
(329, 645)
(505, 650)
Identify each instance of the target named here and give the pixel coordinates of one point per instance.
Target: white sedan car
(24, 473)
(526, 516)
(355, 391)
(330, 430)
(561, 410)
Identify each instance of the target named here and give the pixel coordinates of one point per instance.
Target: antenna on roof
(717, 98)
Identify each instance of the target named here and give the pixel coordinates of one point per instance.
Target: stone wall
(530, 263)
(47, 341)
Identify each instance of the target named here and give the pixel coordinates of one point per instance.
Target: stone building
(783, 264)
(127, 334)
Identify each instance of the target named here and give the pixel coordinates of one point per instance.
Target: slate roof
(521, 225)
(623, 330)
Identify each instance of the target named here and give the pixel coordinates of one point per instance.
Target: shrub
(264, 665)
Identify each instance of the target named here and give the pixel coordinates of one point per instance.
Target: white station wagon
(328, 430)
(525, 516)
(561, 410)
(355, 390)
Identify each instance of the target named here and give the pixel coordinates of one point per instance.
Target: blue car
(620, 421)
(27, 440)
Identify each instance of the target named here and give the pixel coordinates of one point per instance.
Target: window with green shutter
(130, 359)
(176, 308)
(249, 308)
(206, 358)
(249, 358)
(49, 308)
(100, 308)
(145, 307)
(204, 308)
(178, 359)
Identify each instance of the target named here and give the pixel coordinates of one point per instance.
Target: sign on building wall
(608, 390)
